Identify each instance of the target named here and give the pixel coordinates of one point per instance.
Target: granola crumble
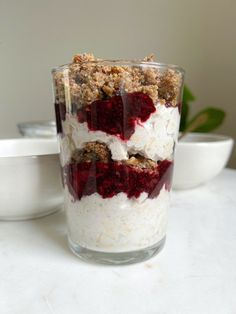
(140, 162)
(97, 151)
(86, 81)
(92, 151)
(169, 85)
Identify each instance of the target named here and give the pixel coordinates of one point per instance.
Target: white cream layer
(117, 224)
(154, 139)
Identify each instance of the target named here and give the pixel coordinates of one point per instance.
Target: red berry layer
(109, 179)
(117, 115)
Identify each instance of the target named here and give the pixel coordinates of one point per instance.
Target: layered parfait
(118, 123)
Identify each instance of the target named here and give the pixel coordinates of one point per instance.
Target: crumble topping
(92, 151)
(169, 85)
(97, 151)
(86, 82)
(149, 58)
(84, 57)
(140, 162)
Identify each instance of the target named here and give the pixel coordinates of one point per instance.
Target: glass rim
(124, 62)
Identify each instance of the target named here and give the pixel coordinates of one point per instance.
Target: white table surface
(195, 272)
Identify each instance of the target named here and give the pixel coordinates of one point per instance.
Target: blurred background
(36, 36)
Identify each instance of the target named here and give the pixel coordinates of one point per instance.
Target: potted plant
(206, 120)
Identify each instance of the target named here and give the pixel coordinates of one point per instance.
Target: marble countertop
(194, 274)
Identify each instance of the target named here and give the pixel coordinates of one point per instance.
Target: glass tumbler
(118, 124)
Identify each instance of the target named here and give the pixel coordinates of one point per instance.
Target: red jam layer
(117, 115)
(109, 179)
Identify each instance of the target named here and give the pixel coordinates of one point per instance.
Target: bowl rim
(37, 123)
(215, 139)
(32, 147)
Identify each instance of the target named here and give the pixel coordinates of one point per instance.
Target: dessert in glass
(117, 122)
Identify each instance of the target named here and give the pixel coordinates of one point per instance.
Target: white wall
(37, 35)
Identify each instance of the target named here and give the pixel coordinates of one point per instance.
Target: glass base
(120, 258)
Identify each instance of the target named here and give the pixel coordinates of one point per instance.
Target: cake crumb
(98, 151)
(84, 57)
(86, 81)
(108, 90)
(149, 58)
(140, 162)
(92, 151)
(169, 85)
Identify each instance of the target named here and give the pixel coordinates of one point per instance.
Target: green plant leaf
(205, 121)
(187, 95)
(184, 116)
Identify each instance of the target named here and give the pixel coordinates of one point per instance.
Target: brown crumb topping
(169, 85)
(149, 58)
(96, 151)
(92, 151)
(140, 162)
(85, 57)
(86, 81)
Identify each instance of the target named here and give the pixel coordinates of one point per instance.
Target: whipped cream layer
(117, 224)
(154, 139)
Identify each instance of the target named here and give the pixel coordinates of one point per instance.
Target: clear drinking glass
(118, 124)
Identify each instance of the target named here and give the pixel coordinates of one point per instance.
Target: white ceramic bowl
(199, 158)
(30, 183)
(41, 129)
